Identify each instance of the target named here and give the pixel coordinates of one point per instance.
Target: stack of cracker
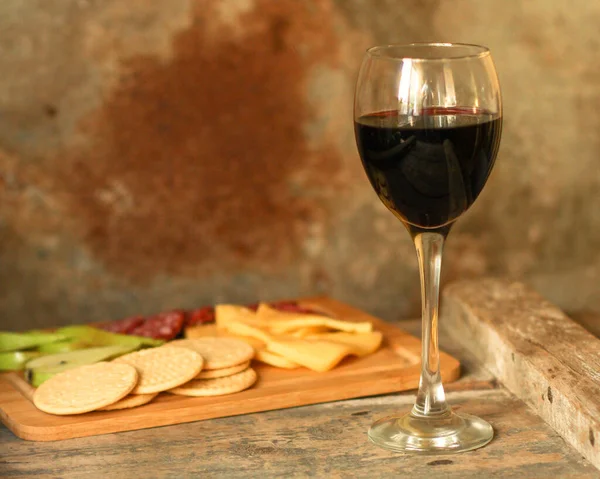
(226, 367)
(203, 367)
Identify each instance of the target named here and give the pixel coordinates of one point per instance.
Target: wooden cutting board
(394, 367)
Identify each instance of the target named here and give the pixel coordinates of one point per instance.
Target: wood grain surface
(324, 441)
(394, 367)
(535, 350)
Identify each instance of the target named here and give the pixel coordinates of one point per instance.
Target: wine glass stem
(431, 399)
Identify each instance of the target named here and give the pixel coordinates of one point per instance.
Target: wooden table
(327, 440)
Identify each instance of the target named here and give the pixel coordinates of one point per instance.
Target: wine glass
(428, 121)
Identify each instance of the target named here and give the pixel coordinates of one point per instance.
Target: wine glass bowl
(428, 122)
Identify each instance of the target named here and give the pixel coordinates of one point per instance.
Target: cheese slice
(280, 322)
(317, 355)
(267, 313)
(225, 313)
(241, 328)
(273, 359)
(290, 325)
(212, 330)
(360, 343)
(310, 331)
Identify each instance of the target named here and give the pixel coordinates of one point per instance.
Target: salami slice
(200, 316)
(122, 326)
(161, 326)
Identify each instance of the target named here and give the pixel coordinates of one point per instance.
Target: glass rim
(383, 51)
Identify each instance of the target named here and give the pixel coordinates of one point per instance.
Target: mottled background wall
(175, 153)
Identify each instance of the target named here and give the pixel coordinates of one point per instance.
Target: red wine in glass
(429, 168)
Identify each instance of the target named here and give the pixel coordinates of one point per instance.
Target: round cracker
(221, 373)
(85, 388)
(133, 400)
(219, 386)
(162, 368)
(218, 353)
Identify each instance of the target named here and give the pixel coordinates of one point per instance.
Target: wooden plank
(590, 320)
(326, 440)
(535, 350)
(395, 365)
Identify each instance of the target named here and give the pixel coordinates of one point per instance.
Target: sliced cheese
(360, 343)
(287, 321)
(214, 331)
(225, 313)
(290, 325)
(317, 355)
(241, 328)
(289, 339)
(309, 331)
(268, 313)
(273, 359)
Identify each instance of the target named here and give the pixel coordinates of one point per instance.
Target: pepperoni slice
(161, 326)
(200, 316)
(122, 326)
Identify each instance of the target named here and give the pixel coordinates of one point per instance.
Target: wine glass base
(414, 434)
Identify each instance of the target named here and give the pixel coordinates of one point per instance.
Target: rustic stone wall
(175, 153)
